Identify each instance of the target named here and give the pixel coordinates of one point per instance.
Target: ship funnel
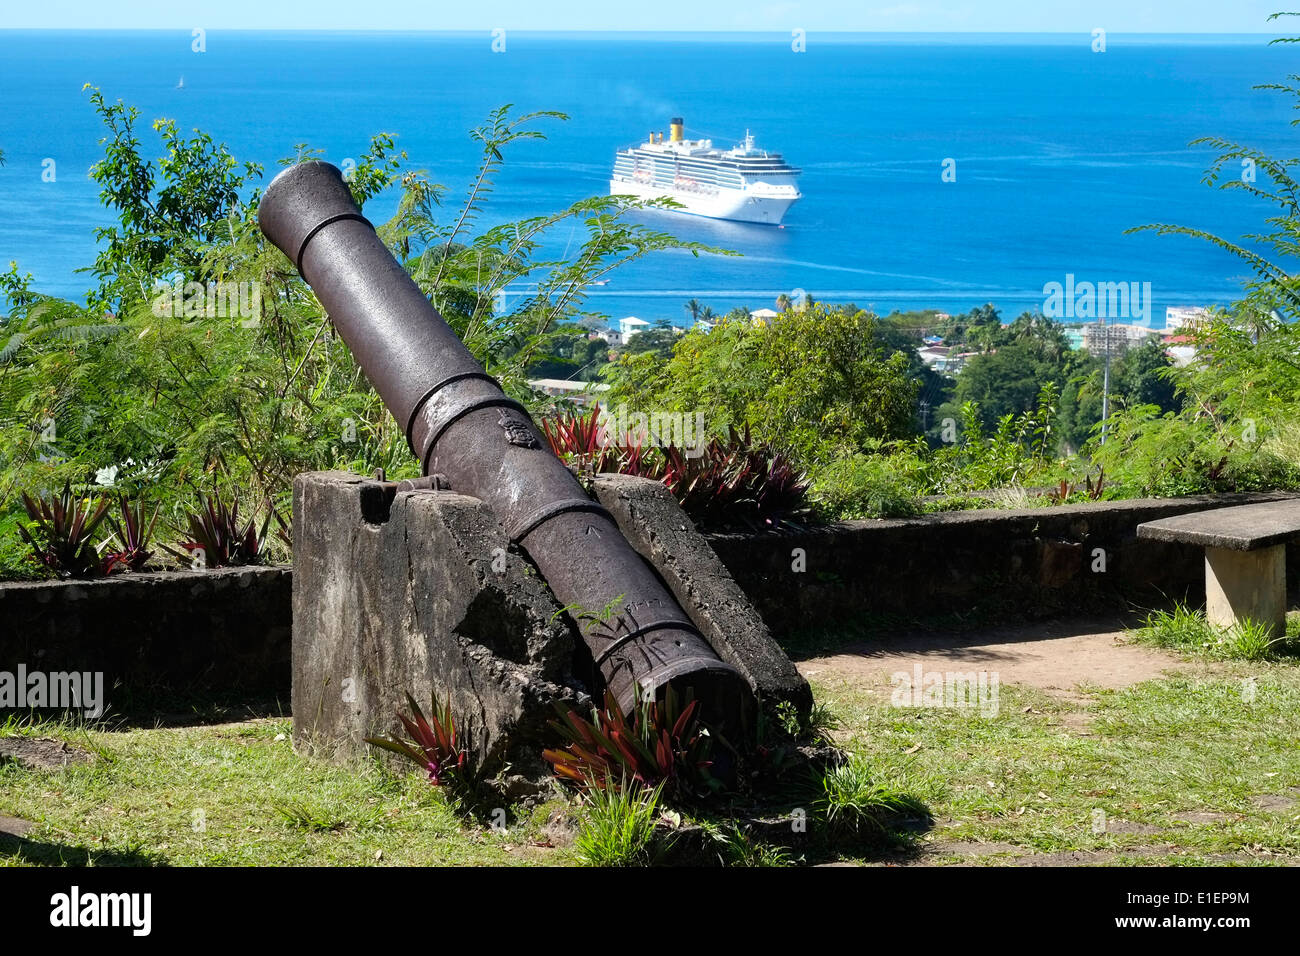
(675, 129)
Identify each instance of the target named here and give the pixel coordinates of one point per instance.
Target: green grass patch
(237, 794)
(1183, 770)
(1187, 631)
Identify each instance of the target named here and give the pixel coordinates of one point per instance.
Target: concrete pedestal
(422, 590)
(1241, 585)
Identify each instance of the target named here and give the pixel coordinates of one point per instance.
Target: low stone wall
(229, 630)
(992, 564)
(166, 632)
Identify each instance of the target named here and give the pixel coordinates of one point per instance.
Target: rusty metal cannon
(461, 425)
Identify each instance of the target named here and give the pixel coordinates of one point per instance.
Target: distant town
(1176, 335)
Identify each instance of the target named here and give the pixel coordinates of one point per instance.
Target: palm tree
(707, 314)
(694, 307)
(782, 302)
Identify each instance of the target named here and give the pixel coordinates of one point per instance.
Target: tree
(658, 340)
(782, 302)
(1005, 382)
(166, 212)
(693, 307)
(818, 384)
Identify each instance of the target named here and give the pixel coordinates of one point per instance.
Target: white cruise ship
(744, 183)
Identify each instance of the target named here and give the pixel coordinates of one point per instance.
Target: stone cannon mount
(419, 591)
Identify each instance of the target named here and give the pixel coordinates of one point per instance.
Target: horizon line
(617, 32)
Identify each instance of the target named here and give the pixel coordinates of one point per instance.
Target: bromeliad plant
(63, 539)
(662, 744)
(434, 742)
(731, 482)
(128, 547)
(216, 539)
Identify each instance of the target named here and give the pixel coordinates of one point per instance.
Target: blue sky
(1033, 16)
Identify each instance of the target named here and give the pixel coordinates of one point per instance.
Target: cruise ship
(744, 184)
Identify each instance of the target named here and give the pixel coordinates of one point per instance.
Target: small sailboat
(180, 84)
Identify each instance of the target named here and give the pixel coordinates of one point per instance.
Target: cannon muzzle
(460, 424)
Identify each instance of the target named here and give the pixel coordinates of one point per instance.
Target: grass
(1200, 767)
(1181, 768)
(618, 827)
(1187, 631)
(237, 794)
(855, 798)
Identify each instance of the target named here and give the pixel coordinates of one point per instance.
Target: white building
(581, 392)
(763, 316)
(1119, 338)
(1185, 317)
(631, 326)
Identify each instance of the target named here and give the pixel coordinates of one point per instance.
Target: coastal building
(631, 326)
(1099, 337)
(933, 354)
(944, 358)
(763, 316)
(612, 336)
(1185, 317)
(581, 392)
(1180, 348)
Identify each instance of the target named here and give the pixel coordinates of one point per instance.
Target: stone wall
(229, 631)
(169, 632)
(995, 564)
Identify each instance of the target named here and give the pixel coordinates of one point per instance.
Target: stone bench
(1245, 558)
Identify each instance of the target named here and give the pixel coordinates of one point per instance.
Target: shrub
(735, 845)
(130, 539)
(17, 560)
(854, 798)
(1187, 630)
(864, 486)
(216, 539)
(735, 481)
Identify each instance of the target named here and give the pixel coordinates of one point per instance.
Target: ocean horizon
(1057, 149)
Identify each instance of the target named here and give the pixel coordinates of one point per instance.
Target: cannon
(462, 426)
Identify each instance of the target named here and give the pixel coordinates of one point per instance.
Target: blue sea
(1058, 149)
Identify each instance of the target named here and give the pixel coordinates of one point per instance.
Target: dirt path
(1055, 656)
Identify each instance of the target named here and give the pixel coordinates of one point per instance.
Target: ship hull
(733, 204)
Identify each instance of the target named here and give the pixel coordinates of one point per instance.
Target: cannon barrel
(460, 424)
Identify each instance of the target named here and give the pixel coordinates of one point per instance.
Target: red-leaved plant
(63, 539)
(731, 482)
(217, 539)
(434, 743)
(128, 548)
(663, 742)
